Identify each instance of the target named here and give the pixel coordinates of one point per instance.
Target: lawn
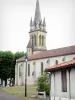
(19, 91)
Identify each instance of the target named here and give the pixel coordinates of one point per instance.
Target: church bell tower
(37, 33)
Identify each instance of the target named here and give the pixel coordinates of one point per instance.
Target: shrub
(43, 83)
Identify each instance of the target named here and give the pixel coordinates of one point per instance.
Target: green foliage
(43, 84)
(6, 59)
(7, 63)
(18, 55)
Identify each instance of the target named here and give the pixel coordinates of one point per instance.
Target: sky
(15, 18)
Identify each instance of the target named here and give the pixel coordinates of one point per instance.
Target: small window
(48, 61)
(20, 71)
(63, 59)
(42, 40)
(56, 62)
(41, 68)
(64, 80)
(33, 63)
(28, 69)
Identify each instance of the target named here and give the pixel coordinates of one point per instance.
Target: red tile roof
(61, 65)
(51, 53)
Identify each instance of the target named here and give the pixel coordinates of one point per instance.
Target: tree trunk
(5, 82)
(13, 82)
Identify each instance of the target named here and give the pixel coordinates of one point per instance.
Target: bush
(43, 84)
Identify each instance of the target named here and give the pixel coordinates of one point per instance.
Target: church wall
(30, 79)
(70, 57)
(37, 68)
(16, 72)
(51, 61)
(20, 73)
(60, 59)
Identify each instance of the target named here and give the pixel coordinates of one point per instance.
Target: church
(39, 58)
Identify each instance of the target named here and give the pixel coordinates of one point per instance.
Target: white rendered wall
(73, 83)
(56, 90)
(30, 79)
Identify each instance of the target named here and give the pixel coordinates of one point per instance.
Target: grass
(19, 91)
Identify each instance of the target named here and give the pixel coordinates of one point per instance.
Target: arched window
(40, 40)
(42, 68)
(20, 69)
(35, 39)
(34, 69)
(32, 37)
(28, 69)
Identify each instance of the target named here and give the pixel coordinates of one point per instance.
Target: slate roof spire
(44, 22)
(37, 17)
(37, 23)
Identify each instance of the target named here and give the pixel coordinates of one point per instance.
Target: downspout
(69, 85)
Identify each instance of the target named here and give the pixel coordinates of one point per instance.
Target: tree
(7, 64)
(17, 55)
(43, 83)
(6, 60)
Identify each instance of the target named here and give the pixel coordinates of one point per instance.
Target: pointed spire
(44, 25)
(44, 22)
(37, 17)
(31, 22)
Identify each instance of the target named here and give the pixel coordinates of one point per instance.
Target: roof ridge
(52, 53)
(62, 47)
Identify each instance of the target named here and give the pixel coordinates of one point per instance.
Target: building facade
(39, 57)
(38, 62)
(62, 81)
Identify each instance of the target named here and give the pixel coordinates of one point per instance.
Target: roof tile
(51, 53)
(64, 64)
